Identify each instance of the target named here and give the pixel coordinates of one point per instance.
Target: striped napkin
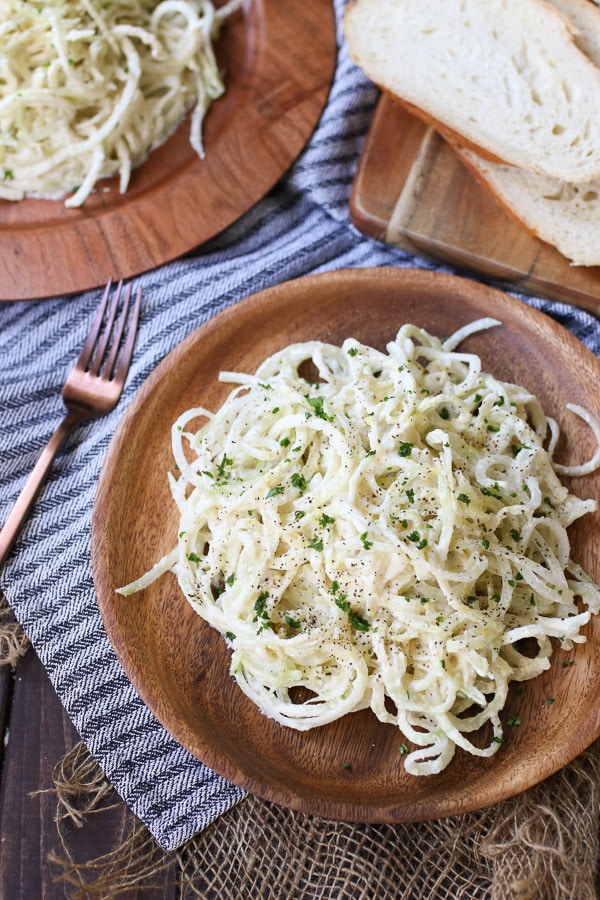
(301, 227)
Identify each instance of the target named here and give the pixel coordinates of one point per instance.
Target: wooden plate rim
(281, 299)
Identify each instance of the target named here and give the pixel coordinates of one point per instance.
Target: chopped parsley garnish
(342, 603)
(317, 405)
(487, 492)
(316, 543)
(260, 602)
(224, 462)
(326, 520)
(357, 621)
(366, 544)
(299, 481)
(274, 491)
(516, 448)
(262, 615)
(415, 538)
(405, 448)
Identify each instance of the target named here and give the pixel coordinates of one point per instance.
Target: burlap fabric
(540, 844)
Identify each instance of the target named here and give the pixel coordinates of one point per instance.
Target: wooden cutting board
(411, 191)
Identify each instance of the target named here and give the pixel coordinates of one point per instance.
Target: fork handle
(31, 489)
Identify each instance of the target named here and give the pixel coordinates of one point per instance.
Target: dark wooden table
(36, 733)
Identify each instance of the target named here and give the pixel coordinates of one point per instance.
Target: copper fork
(92, 389)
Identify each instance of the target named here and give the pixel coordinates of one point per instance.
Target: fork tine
(107, 368)
(92, 337)
(96, 362)
(127, 350)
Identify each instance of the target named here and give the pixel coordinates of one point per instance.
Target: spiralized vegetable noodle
(385, 536)
(88, 88)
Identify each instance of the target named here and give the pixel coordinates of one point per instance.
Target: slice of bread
(503, 77)
(562, 214)
(584, 16)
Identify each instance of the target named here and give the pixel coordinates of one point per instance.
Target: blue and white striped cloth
(301, 227)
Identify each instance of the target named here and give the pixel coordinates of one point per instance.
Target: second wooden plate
(278, 60)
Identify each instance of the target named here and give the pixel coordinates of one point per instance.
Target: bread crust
(453, 137)
(557, 135)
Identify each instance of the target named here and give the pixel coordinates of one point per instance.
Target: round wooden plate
(180, 666)
(279, 59)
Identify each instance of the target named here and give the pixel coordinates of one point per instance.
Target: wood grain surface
(411, 190)
(37, 733)
(278, 60)
(180, 666)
